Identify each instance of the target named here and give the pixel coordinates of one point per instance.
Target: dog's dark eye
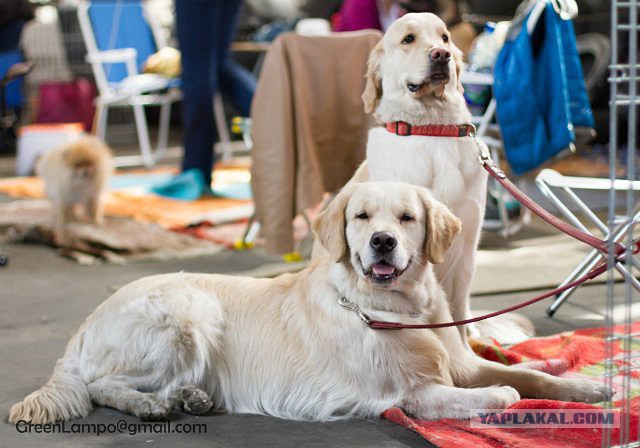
(408, 39)
(362, 215)
(445, 38)
(406, 217)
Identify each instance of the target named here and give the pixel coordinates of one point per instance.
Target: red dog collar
(431, 130)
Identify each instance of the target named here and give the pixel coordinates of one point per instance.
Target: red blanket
(573, 354)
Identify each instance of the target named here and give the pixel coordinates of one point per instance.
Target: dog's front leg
(478, 372)
(94, 210)
(456, 274)
(119, 393)
(62, 213)
(438, 401)
(458, 269)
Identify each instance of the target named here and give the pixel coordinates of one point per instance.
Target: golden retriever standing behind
(414, 77)
(76, 176)
(284, 346)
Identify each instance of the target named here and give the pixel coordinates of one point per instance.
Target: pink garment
(357, 15)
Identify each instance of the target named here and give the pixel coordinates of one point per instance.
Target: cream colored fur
(283, 346)
(75, 178)
(447, 166)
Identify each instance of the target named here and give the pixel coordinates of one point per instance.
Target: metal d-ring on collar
(472, 131)
(348, 304)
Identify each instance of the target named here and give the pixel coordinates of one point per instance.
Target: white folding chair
(550, 182)
(119, 37)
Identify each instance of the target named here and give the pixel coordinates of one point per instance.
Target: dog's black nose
(439, 55)
(383, 242)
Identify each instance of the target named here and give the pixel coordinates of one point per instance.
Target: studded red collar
(431, 130)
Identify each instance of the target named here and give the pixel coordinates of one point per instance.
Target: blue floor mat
(146, 181)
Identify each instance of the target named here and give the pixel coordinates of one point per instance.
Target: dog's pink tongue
(382, 269)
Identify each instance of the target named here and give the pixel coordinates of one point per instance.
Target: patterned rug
(129, 196)
(118, 240)
(577, 354)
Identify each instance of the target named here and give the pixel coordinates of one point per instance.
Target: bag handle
(533, 9)
(566, 9)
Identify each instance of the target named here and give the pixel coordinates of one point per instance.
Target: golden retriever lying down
(283, 346)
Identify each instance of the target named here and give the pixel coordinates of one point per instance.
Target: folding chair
(119, 37)
(549, 181)
(485, 127)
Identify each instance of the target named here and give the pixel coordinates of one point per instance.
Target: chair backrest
(113, 25)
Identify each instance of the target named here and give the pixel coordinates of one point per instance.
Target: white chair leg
(102, 113)
(625, 273)
(251, 231)
(594, 256)
(585, 266)
(163, 130)
(143, 135)
(486, 118)
(221, 126)
(503, 213)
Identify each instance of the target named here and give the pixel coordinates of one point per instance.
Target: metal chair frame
(549, 181)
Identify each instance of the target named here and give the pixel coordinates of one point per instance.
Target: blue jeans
(205, 31)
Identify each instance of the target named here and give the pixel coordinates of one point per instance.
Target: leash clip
(348, 304)
(485, 160)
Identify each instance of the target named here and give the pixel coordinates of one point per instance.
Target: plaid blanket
(576, 354)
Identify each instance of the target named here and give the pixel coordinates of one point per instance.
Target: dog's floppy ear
(329, 227)
(442, 227)
(373, 88)
(458, 59)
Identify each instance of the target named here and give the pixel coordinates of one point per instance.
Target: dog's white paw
(586, 391)
(501, 397)
(152, 407)
(194, 400)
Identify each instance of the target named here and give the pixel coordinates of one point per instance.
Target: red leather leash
(595, 242)
(596, 271)
(499, 175)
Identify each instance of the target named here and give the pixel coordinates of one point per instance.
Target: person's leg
(195, 22)
(239, 85)
(235, 81)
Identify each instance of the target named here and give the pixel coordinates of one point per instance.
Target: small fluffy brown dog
(75, 176)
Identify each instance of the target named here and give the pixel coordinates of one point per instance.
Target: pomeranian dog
(75, 177)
